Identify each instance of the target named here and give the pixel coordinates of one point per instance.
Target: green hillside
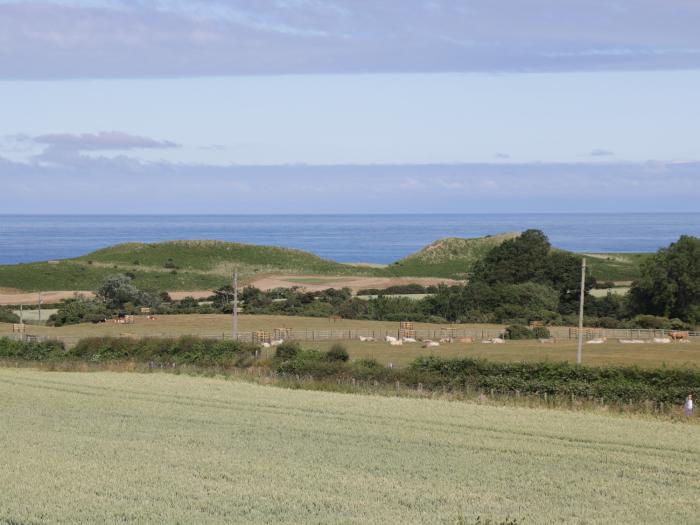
(175, 265)
(451, 257)
(615, 266)
(197, 265)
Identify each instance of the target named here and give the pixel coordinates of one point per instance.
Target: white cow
(395, 342)
(409, 340)
(662, 340)
(367, 339)
(390, 338)
(597, 341)
(276, 342)
(430, 344)
(498, 341)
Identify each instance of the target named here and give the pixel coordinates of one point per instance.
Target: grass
(650, 355)
(451, 257)
(205, 265)
(615, 266)
(175, 265)
(161, 448)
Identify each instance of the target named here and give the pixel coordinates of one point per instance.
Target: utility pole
(39, 306)
(579, 350)
(235, 306)
(21, 314)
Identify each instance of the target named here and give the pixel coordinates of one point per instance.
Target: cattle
(409, 339)
(430, 344)
(395, 342)
(679, 336)
(367, 339)
(446, 340)
(597, 341)
(276, 342)
(662, 340)
(390, 338)
(265, 345)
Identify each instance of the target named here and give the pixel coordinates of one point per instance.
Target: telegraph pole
(39, 306)
(579, 350)
(235, 306)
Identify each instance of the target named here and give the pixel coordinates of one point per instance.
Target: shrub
(8, 316)
(31, 351)
(541, 332)
(516, 331)
(338, 353)
(287, 350)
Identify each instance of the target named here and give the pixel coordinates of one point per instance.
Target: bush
(79, 310)
(184, 350)
(516, 331)
(287, 350)
(338, 353)
(541, 332)
(8, 316)
(27, 351)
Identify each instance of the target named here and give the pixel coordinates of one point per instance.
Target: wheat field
(161, 448)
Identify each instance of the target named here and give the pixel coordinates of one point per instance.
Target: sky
(339, 106)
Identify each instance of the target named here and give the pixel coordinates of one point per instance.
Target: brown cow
(679, 336)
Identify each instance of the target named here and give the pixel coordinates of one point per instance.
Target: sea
(344, 238)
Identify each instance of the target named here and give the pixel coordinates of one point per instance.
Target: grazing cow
(662, 340)
(597, 341)
(446, 340)
(390, 338)
(276, 342)
(430, 344)
(395, 342)
(409, 340)
(498, 341)
(365, 339)
(679, 336)
(265, 345)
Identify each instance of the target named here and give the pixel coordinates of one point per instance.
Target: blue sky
(339, 106)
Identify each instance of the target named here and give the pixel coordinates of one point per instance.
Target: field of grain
(158, 448)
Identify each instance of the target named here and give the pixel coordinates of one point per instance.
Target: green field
(212, 325)
(160, 448)
(205, 265)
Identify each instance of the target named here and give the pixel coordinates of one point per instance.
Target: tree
(118, 290)
(669, 285)
(515, 261)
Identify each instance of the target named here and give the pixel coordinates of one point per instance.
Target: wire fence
(455, 334)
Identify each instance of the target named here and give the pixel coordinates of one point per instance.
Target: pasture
(215, 325)
(162, 448)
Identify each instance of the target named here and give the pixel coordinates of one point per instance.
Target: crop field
(161, 448)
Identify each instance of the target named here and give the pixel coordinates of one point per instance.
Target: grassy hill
(197, 265)
(175, 265)
(451, 257)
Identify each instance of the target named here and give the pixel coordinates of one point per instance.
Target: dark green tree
(669, 285)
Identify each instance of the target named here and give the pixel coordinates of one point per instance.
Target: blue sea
(345, 238)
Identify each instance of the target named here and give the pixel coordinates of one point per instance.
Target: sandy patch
(314, 283)
(46, 297)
